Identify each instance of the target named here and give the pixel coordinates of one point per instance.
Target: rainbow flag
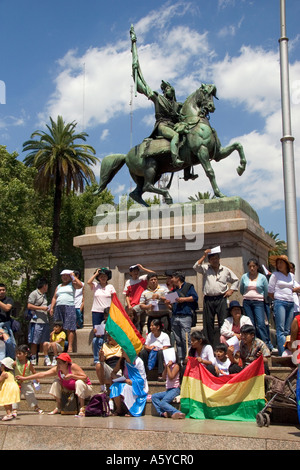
(121, 329)
(235, 397)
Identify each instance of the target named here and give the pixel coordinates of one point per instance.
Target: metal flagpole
(288, 150)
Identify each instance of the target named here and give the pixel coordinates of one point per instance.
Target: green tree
(62, 165)
(199, 196)
(280, 248)
(25, 249)
(78, 212)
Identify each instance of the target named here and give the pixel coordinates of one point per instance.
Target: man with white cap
(216, 278)
(63, 302)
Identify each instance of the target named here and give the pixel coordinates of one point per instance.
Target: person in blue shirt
(182, 313)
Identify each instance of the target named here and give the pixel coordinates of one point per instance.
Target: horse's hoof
(219, 194)
(168, 200)
(240, 170)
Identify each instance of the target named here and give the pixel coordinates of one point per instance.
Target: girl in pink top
(162, 400)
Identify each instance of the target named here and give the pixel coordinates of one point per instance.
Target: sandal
(7, 417)
(39, 411)
(81, 412)
(56, 411)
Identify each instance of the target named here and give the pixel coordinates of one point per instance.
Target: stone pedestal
(162, 239)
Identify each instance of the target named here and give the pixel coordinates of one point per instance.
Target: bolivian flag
(235, 397)
(122, 330)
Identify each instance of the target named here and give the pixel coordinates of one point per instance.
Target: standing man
(39, 327)
(182, 316)
(6, 307)
(216, 278)
(133, 290)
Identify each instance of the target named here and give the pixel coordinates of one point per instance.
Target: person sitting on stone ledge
(233, 323)
(109, 356)
(69, 376)
(130, 391)
(156, 341)
(250, 349)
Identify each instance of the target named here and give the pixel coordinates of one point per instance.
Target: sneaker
(54, 362)
(47, 361)
(33, 360)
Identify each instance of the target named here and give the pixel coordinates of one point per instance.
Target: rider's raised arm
(140, 83)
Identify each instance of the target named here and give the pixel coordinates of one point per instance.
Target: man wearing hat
(216, 278)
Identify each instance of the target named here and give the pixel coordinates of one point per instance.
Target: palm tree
(200, 196)
(62, 165)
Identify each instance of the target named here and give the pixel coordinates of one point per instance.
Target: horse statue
(199, 144)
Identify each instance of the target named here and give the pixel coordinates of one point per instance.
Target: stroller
(279, 394)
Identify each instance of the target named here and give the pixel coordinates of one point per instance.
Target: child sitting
(222, 362)
(162, 400)
(9, 390)
(56, 344)
(24, 367)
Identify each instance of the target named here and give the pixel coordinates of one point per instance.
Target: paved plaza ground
(60, 432)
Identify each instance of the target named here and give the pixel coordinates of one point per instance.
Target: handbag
(98, 406)
(69, 403)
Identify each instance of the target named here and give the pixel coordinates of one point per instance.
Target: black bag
(98, 406)
(183, 293)
(69, 403)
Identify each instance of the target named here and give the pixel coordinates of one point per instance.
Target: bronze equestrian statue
(182, 137)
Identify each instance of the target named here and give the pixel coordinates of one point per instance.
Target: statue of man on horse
(167, 109)
(182, 137)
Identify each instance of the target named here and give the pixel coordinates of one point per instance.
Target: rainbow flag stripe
(235, 397)
(122, 330)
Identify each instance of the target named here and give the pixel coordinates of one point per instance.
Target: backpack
(98, 406)
(183, 293)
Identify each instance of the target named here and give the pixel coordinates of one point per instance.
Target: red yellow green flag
(122, 330)
(235, 397)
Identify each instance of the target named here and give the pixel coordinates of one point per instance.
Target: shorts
(66, 314)
(38, 333)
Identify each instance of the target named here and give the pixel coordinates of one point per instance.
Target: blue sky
(73, 58)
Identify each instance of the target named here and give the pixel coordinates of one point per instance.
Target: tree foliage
(25, 248)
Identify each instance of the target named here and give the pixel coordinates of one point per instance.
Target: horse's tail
(110, 166)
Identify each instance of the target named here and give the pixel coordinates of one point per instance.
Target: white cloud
(94, 88)
(104, 134)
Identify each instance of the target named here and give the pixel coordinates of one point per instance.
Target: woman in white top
(281, 289)
(102, 299)
(202, 350)
(156, 340)
(233, 323)
(254, 289)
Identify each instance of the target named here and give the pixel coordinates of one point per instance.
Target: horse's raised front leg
(224, 152)
(203, 157)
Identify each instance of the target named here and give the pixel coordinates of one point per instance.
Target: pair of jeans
(181, 325)
(283, 313)
(255, 310)
(162, 401)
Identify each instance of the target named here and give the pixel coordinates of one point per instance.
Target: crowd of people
(166, 314)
